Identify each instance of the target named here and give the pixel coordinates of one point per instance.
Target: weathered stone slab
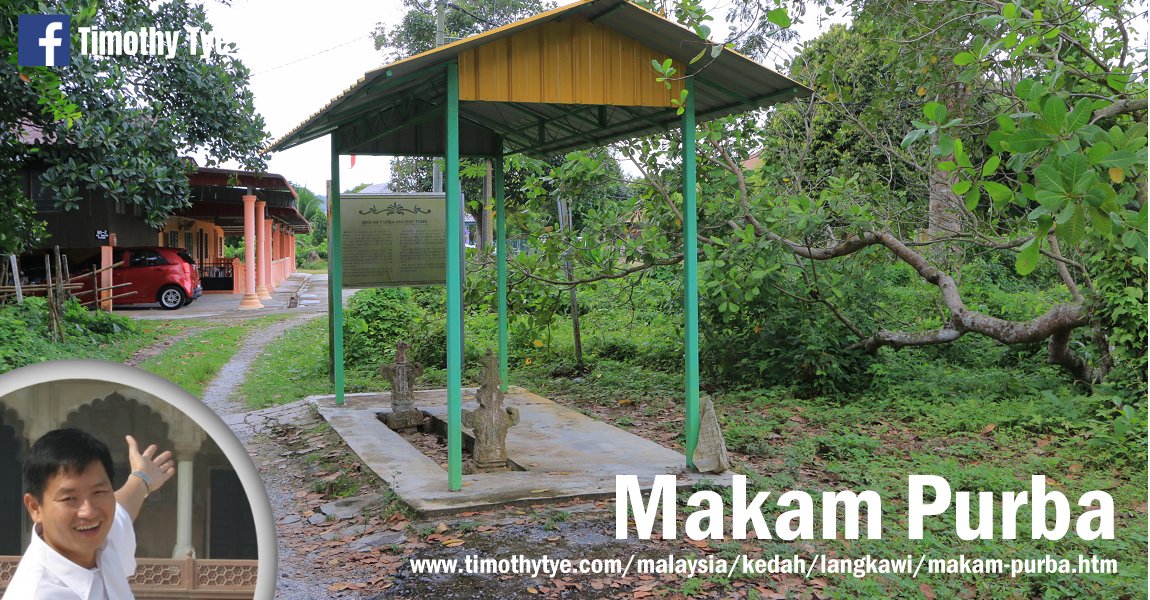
(490, 421)
(401, 374)
(566, 453)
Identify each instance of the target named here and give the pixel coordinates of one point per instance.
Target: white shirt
(44, 574)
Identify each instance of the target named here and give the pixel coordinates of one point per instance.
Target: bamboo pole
(38, 288)
(97, 271)
(53, 313)
(59, 277)
(124, 295)
(16, 278)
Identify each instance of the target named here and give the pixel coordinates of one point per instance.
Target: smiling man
(83, 545)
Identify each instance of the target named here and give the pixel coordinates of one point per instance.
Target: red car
(164, 275)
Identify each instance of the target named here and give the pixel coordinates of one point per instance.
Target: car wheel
(172, 297)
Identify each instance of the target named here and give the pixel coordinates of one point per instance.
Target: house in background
(219, 208)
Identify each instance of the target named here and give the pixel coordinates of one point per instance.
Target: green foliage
(1120, 303)
(25, 339)
(120, 126)
(415, 33)
(315, 241)
(1059, 144)
(375, 321)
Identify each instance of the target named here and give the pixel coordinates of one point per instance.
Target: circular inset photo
(115, 480)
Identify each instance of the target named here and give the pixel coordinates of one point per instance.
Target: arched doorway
(110, 419)
(12, 446)
(231, 529)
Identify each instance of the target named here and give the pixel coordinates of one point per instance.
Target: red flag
(352, 161)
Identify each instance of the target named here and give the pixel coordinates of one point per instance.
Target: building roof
(217, 196)
(573, 77)
(375, 188)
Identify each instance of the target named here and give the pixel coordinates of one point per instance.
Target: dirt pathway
(341, 534)
(282, 479)
(220, 391)
(155, 349)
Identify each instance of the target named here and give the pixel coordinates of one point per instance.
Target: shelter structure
(574, 77)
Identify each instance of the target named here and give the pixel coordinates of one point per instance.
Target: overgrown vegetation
(25, 338)
(116, 126)
(983, 415)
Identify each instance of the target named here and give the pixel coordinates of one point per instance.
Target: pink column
(260, 266)
(291, 250)
(277, 243)
(268, 265)
(104, 298)
(250, 300)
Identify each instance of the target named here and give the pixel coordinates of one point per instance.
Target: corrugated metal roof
(399, 108)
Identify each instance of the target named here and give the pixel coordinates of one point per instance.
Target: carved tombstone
(490, 421)
(402, 376)
(711, 449)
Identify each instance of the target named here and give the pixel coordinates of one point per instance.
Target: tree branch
(616, 275)
(1119, 108)
(1063, 272)
(1058, 353)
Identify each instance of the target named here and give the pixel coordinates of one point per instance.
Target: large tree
(984, 128)
(120, 126)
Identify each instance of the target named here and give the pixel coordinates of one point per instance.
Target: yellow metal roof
(576, 76)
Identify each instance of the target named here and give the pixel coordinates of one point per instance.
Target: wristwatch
(147, 482)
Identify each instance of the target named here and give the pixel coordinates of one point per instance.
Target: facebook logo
(44, 40)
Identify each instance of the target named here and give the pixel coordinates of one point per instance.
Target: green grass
(982, 429)
(295, 366)
(25, 339)
(292, 367)
(193, 361)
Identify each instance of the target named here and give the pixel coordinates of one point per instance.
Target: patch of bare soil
(433, 445)
(156, 349)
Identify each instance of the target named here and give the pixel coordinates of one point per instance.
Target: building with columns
(259, 207)
(203, 512)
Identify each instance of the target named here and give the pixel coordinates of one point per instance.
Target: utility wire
(298, 60)
(470, 14)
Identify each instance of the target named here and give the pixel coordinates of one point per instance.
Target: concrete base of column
(184, 552)
(262, 293)
(250, 301)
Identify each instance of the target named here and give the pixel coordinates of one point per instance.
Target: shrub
(24, 335)
(377, 319)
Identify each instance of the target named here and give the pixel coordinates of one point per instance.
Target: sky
(301, 58)
(302, 54)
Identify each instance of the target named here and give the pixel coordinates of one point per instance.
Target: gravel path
(221, 395)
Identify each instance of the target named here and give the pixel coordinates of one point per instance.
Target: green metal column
(690, 274)
(454, 287)
(501, 266)
(335, 274)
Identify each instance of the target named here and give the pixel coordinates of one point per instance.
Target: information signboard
(392, 240)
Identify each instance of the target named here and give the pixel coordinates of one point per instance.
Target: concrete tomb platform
(565, 454)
